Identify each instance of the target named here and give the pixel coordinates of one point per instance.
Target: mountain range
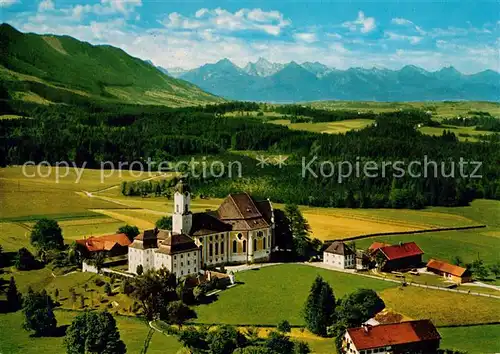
(311, 81)
(61, 69)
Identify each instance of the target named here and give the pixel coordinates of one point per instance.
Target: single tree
(38, 313)
(139, 269)
(153, 291)
(194, 339)
(457, 260)
(279, 343)
(107, 289)
(13, 296)
(94, 332)
(319, 308)
(299, 228)
(224, 340)
(284, 326)
(164, 223)
(24, 260)
(495, 269)
(479, 270)
(358, 307)
(47, 234)
(301, 347)
(130, 231)
(176, 313)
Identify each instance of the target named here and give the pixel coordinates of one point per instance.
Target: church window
(210, 250)
(182, 264)
(210, 238)
(189, 263)
(177, 208)
(240, 236)
(216, 237)
(244, 245)
(222, 236)
(260, 234)
(264, 243)
(216, 249)
(254, 244)
(222, 247)
(201, 240)
(235, 247)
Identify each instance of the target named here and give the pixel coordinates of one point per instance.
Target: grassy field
(14, 340)
(279, 292)
(474, 134)
(439, 109)
(443, 308)
(474, 340)
(326, 127)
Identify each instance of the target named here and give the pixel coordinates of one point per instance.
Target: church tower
(182, 219)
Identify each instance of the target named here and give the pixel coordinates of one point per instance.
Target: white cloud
(46, 5)
(334, 35)
(7, 3)
(270, 22)
(399, 37)
(306, 37)
(401, 21)
(362, 23)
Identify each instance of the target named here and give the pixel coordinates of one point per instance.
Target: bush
(25, 260)
(107, 289)
(284, 326)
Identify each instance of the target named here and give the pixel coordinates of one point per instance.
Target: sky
(341, 34)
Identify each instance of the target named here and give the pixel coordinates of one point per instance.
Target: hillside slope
(62, 69)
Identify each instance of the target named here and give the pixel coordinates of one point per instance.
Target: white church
(239, 231)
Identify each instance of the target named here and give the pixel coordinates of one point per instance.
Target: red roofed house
(400, 256)
(449, 271)
(416, 337)
(376, 245)
(113, 245)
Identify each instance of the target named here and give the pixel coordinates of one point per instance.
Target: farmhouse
(406, 337)
(239, 231)
(449, 271)
(339, 255)
(113, 245)
(399, 257)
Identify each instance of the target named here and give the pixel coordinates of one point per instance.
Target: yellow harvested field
(335, 227)
(335, 223)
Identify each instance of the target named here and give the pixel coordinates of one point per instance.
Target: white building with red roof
(416, 337)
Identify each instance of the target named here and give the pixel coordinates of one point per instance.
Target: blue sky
(341, 34)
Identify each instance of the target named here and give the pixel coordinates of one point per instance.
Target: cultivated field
(462, 133)
(326, 127)
(439, 109)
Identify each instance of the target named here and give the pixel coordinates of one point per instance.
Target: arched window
(177, 208)
(240, 236)
(260, 233)
(244, 245)
(222, 247)
(235, 246)
(216, 249)
(254, 244)
(264, 243)
(210, 250)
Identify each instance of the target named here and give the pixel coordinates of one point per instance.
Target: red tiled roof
(446, 267)
(401, 251)
(376, 245)
(393, 334)
(104, 243)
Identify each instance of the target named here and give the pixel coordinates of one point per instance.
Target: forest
(95, 132)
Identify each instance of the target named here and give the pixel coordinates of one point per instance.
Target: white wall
(339, 261)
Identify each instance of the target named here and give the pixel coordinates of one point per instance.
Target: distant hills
(266, 81)
(48, 68)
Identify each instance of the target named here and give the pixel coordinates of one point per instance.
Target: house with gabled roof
(112, 245)
(449, 271)
(416, 337)
(399, 257)
(239, 231)
(339, 255)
